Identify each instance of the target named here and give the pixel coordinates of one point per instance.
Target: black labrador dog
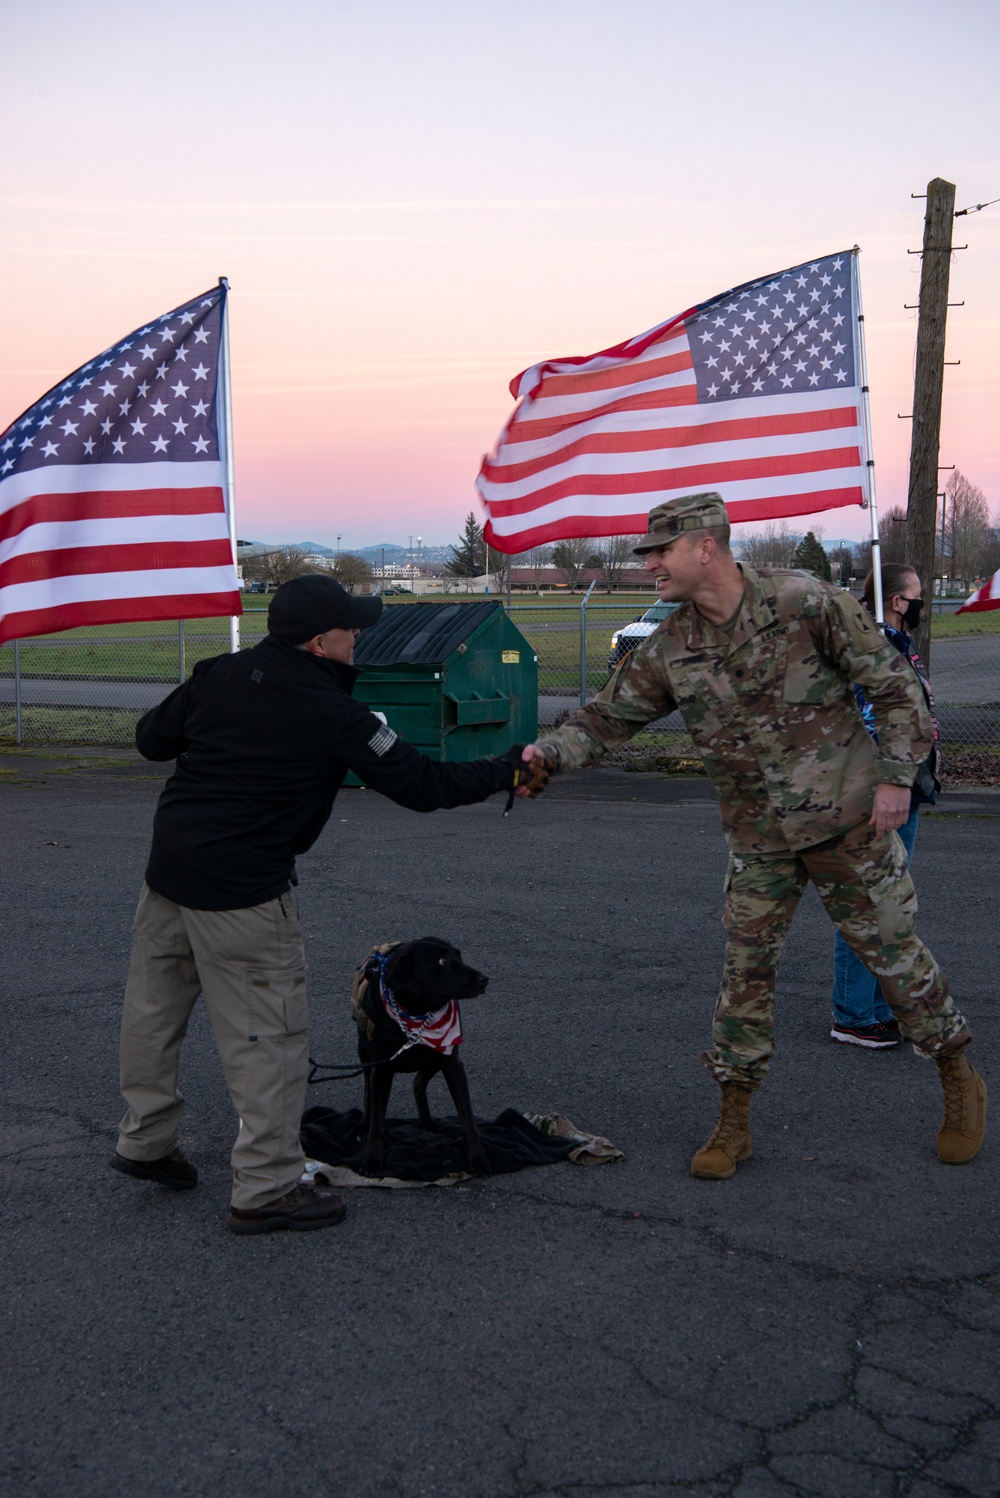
(423, 981)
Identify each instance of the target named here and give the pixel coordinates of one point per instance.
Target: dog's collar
(438, 1029)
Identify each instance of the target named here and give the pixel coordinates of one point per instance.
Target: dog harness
(438, 1029)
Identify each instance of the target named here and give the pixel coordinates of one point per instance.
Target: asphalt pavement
(85, 691)
(827, 1322)
(966, 671)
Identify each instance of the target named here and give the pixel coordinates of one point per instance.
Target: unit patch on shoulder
(382, 740)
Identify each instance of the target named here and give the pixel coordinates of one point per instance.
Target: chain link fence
(578, 643)
(964, 672)
(89, 686)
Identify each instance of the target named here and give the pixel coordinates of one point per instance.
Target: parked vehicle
(624, 640)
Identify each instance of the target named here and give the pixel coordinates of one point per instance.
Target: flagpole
(226, 409)
(866, 410)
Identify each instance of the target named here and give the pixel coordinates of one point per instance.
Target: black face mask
(911, 615)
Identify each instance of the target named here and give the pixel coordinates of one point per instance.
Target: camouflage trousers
(864, 882)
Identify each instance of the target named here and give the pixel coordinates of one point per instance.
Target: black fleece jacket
(263, 740)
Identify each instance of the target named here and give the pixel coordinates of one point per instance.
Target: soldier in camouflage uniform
(761, 664)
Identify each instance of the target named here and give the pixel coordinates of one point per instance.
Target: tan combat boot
(730, 1141)
(964, 1124)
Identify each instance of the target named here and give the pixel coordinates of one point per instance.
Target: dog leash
(343, 1071)
(348, 1069)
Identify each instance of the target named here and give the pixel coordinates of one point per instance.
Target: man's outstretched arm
(388, 764)
(633, 696)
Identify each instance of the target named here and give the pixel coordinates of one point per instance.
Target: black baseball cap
(308, 606)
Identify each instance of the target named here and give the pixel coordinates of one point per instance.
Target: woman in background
(861, 1015)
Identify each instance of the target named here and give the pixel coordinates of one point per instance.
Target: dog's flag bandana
(440, 1029)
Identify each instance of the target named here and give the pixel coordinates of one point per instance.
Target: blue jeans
(857, 998)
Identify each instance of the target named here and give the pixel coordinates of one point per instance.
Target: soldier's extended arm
(632, 697)
(862, 654)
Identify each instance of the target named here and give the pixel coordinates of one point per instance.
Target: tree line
(967, 546)
(770, 545)
(608, 558)
(967, 550)
(280, 566)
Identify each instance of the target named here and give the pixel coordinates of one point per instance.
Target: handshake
(531, 768)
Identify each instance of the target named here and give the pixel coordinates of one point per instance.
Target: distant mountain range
(312, 547)
(395, 553)
(374, 554)
(391, 552)
(371, 553)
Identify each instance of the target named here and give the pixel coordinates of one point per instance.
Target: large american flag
(112, 504)
(756, 394)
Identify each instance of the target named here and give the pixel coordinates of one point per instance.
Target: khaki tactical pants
(250, 965)
(863, 880)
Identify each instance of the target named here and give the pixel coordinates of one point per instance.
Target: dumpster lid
(420, 633)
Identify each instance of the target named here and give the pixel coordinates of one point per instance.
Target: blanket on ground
(419, 1157)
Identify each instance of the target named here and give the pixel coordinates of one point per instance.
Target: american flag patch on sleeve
(382, 740)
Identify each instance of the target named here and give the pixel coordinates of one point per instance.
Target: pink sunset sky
(413, 201)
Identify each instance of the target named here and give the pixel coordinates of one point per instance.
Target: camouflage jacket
(771, 709)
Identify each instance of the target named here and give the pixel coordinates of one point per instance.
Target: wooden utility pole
(928, 380)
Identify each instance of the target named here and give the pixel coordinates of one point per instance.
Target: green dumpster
(456, 680)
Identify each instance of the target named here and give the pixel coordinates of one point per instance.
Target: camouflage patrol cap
(692, 512)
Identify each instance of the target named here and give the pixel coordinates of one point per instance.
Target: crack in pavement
(905, 1462)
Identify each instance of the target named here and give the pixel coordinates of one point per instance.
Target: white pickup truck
(624, 640)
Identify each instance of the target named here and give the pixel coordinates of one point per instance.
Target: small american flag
(986, 597)
(755, 394)
(112, 503)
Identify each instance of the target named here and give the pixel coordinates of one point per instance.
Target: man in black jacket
(263, 740)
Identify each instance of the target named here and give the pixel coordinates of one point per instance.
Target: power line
(977, 208)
